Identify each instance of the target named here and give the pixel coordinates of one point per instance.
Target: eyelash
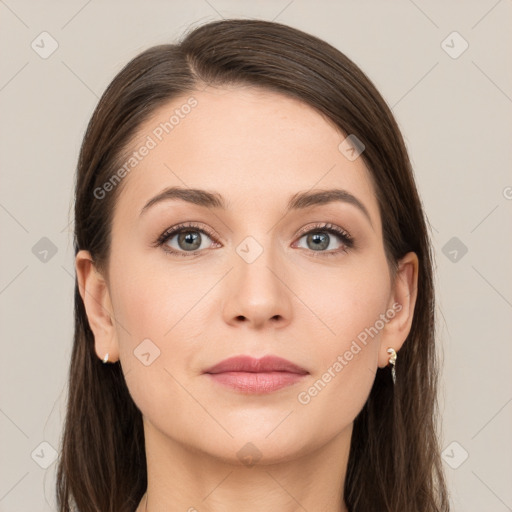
(345, 237)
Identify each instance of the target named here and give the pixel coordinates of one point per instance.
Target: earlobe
(402, 302)
(96, 298)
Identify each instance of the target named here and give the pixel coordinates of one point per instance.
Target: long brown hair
(394, 463)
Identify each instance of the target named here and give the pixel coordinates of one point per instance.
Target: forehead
(255, 147)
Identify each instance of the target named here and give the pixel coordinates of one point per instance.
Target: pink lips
(250, 375)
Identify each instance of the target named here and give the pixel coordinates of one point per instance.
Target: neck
(180, 478)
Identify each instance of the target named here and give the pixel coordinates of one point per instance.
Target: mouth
(256, 376)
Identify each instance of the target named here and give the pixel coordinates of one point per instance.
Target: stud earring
(392, 362)
(105, 359)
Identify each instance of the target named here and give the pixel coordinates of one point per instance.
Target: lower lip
(261, 382)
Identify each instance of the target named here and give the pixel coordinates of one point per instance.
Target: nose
(257, 293)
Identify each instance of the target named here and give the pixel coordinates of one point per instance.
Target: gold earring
(105, 359)
(392, 362)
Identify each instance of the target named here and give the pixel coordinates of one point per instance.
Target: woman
(254, 303)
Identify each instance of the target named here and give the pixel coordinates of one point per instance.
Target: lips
(248, 375)
(249, 364)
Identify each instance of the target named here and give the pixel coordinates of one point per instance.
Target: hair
(394, 461)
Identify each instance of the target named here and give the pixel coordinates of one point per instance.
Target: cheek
(348, 307)
(156, 341)
(347, 300)
(148, 300)
(151, 303)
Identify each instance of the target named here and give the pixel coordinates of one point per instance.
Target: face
(255, 270)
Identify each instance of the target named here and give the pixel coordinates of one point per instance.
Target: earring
(105, 359)
(392, 361)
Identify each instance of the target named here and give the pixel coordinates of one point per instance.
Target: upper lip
(250, 364)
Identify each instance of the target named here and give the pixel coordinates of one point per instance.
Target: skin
(257, 149)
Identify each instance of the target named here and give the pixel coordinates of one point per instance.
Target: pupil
(318, 242)
(190, 237)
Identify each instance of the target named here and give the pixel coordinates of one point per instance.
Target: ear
(400, 308)
(95, 295)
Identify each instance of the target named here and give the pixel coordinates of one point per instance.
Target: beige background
(455, 114)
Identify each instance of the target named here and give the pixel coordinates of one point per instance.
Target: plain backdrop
(445, 70)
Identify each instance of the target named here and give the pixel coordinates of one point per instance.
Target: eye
(189, 239)
(319, 239)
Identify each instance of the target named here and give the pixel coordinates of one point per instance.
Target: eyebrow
(299, 201)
